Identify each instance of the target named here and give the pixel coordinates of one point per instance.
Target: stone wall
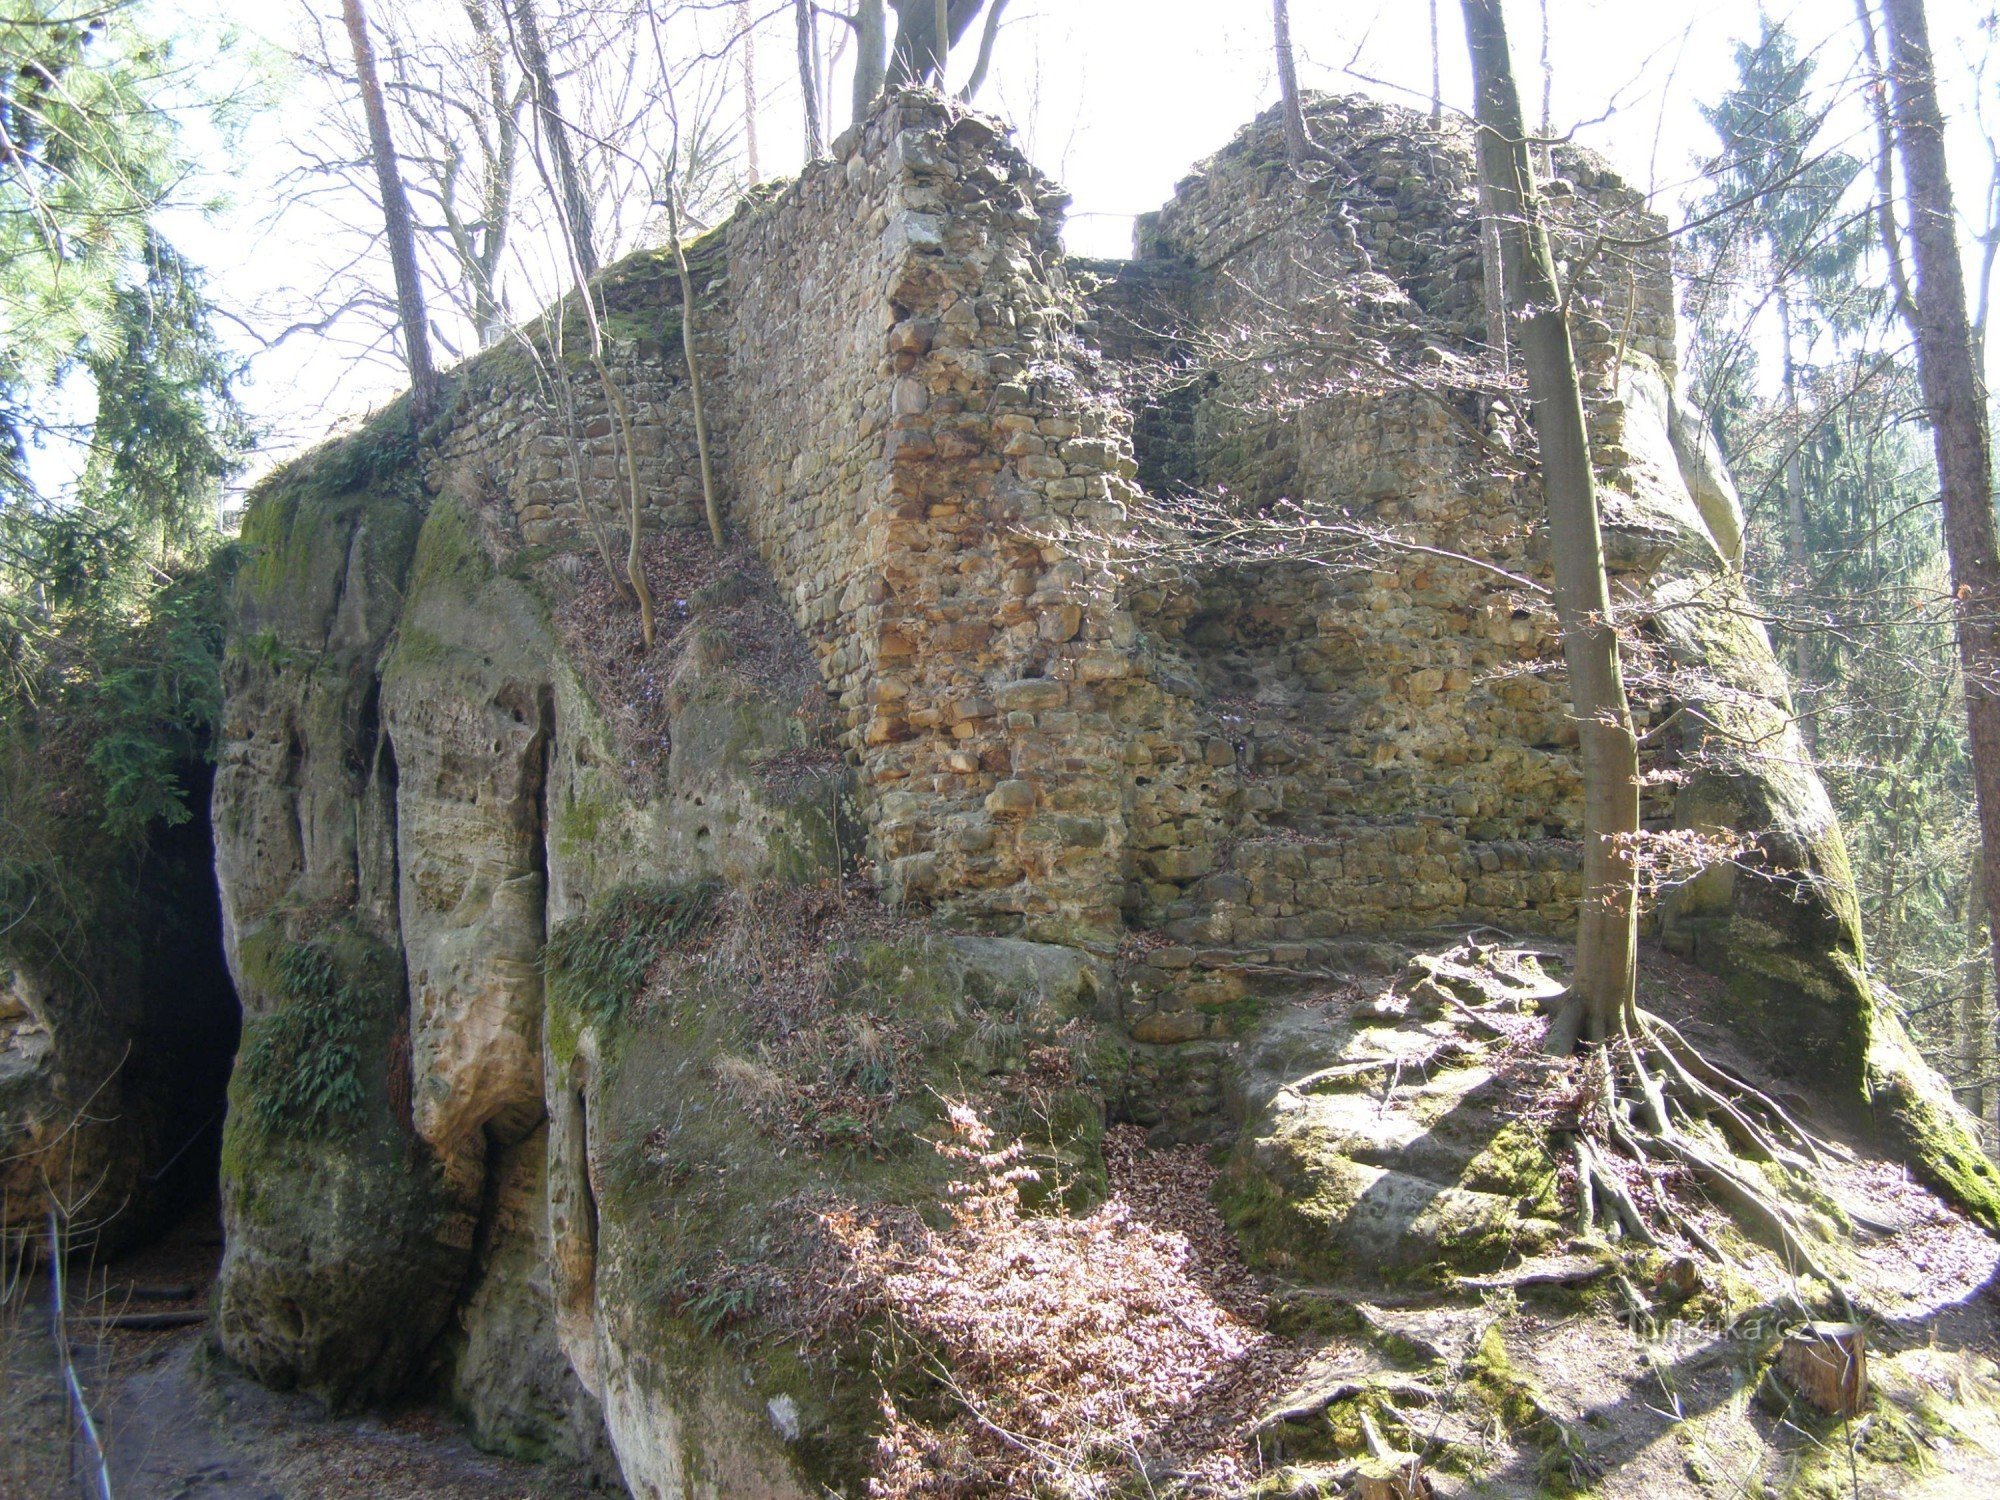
(532, 421)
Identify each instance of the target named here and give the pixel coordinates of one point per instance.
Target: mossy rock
(354, 502)
(703, 1199)
(344, 1252)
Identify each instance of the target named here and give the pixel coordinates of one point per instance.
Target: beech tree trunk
(1297, 142)
(1601, 998)
(802, 14)
(395, 221)
(871, 54)
(575, 202)
(1798, 550)
(711, 502)
(746, 37)
(926, 31)
(1954, 390)
(984, 60)
(1437, 72)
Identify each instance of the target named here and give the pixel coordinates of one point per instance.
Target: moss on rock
(344, 1251)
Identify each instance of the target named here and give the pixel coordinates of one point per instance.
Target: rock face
(938, 662)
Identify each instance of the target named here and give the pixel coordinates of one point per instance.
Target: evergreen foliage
(118, 427)
(1843, 543)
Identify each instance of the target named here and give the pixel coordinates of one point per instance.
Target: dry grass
(824, 1074)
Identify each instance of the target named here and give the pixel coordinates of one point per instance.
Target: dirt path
(160, 1436)
(178, 1425)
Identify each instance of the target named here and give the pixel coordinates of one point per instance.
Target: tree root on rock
(1651, 1086)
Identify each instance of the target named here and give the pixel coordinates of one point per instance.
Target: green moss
(1913, 1112)
(449, 553)
(1565, 1466)
(579, 820)
(1516, 1164)
(346, 1247)
(806, 845)
(1279, 1231)
(300, 532)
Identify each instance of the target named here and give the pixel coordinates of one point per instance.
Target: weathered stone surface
(931, 439)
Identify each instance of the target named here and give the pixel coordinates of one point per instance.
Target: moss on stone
(303, 520)
(705, 1206)
(1517, 1164)
(593, 965)
(345, 1248)
(1931, 1131)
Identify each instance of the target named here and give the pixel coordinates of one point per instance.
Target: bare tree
(1297, 142)
(555, 159)
(573, 201)
(1954, 390)
(926, 31)
(983, 61)
(671, 179)
(1649, 1079)
(396, 221)
(802, 14)
(1601, 1000)
(871, 56)
(746, 45)
(1437, 72)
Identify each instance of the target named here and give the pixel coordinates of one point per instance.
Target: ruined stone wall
(901, 494)
(1404, 758)
(531, 419)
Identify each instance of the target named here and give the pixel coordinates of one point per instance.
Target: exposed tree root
(1659, 1100)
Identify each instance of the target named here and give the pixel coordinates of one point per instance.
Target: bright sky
(1119, 98)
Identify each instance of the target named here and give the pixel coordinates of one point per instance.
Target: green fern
(301, 1065)
(595, 964)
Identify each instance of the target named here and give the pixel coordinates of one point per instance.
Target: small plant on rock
(596, 963)
(301, 1066)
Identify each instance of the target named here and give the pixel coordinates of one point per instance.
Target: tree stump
(1827, 1364)
(1391, 1476)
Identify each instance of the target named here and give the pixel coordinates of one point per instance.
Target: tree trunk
(573, 201)
(395, 222)
(926, 31)
(984, 61)
(1976, 1037)
(710, 500)
(1297, 142)
(496, 197)
(1798, 551)
(1546, 147)
(745, 35)
(1601, 996)
(871, 54)
(1437, 72)
(1954, 390)
(802, 12)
